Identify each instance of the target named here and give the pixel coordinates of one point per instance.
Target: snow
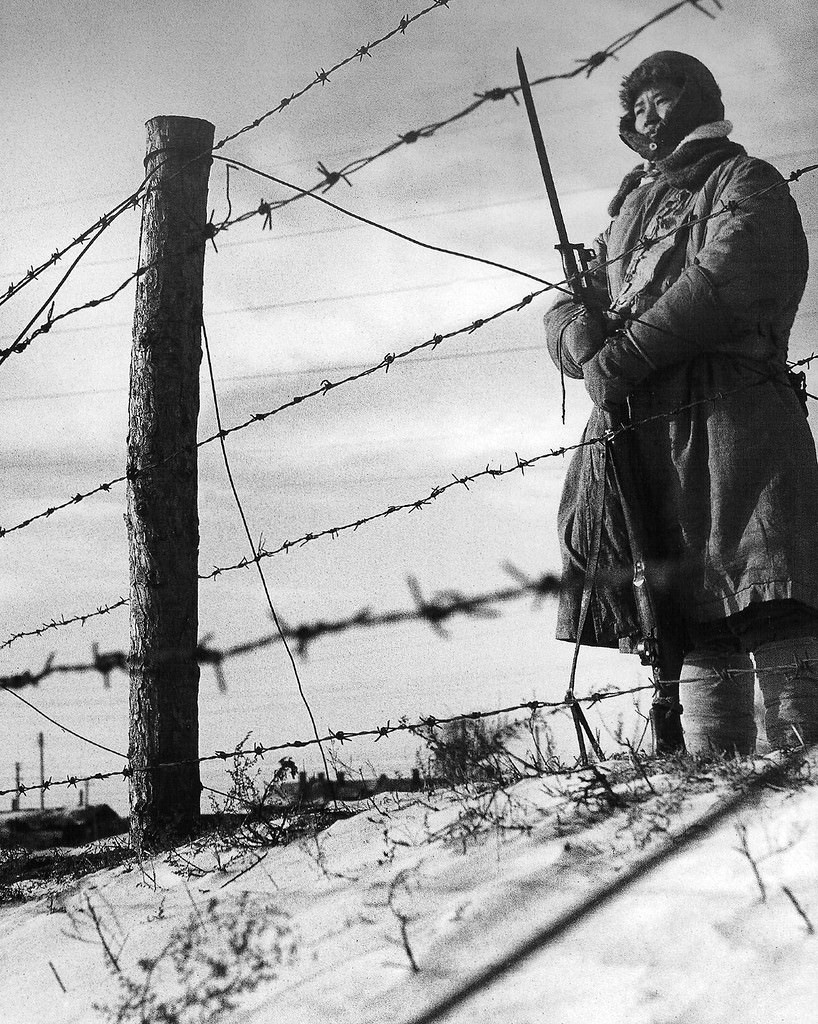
(469, 877)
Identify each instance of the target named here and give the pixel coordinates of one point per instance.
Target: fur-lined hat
(698, 103)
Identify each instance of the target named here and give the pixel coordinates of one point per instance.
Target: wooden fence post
(162, 517)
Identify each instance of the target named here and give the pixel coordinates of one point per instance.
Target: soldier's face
(652, 106)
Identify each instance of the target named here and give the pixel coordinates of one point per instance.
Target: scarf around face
(688, 167)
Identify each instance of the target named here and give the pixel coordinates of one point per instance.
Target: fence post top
(180, 134)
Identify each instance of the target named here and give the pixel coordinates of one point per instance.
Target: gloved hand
(614, 371)
(573, 333)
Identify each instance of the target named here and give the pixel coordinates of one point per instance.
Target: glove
(614, 371)
(573, 333)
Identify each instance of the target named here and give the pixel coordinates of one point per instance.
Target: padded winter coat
(725, 462)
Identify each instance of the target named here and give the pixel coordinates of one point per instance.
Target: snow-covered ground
(388, 911)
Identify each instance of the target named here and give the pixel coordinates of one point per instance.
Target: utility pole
(162, 517)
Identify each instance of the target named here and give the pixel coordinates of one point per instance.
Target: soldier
(693, 342)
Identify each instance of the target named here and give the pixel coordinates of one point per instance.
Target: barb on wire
(441, 608)
(259, 750)
(264, 208)
(419, 726)
(326, 385)
(586, 65)
(520, 465)
(23, 340)
(323, 76)
(258, 417)
(64, 621)
(133, 199)
(89, 235)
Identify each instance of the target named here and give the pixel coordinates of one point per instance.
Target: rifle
(666, 710)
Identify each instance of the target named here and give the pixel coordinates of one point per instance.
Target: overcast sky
(288, 308)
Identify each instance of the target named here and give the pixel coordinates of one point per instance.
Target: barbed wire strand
(330, 178)
(21, 342)
(416, 505)
(341, 736)
(364, 220)
(64, 621)
(252, 545)
(588, 65)
(321, 77)
(390, 358)
(435, 612)
(212, 229)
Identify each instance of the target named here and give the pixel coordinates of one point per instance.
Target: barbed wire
(520, 465)
(321, 78)
(212, 229)
(379, 732)
(64, 621)
(22, 341)
(588, 65)
(258, 417)
(103, 222)
(259, 750)
(436, 611)
(643, 243)
(326, 385)
(330, 177)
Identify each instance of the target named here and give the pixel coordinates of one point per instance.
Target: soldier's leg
(717, 692)
(783, 636)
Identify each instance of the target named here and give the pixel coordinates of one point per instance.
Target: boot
(666, 723)
(717, 691)
(788, 677)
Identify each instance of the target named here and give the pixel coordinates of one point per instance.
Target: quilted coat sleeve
(751, 266)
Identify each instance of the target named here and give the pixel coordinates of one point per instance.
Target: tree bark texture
(162, 517)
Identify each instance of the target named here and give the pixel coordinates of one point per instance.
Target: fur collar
(688, 167)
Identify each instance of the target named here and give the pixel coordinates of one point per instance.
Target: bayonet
(569, 251)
